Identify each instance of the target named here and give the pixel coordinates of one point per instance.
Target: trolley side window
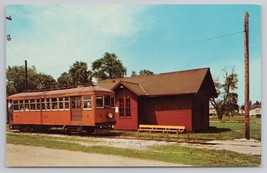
(48, 105)
(32, 105)
(26, 105)
(61, 103)
(21, 105)
(99, 102)
(87, 102)
(43, 104)
(16, 105)
(54, 103)
(38, 104)
(67, 103)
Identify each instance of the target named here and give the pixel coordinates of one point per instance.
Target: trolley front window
(107, 101)
(112, 102)
(99, 102)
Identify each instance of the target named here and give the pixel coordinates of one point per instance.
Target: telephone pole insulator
(9, 18)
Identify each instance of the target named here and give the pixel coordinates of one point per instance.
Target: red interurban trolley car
(89, 109)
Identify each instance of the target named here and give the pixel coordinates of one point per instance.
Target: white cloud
(66, 33)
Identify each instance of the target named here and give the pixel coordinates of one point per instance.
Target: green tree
(145, 72)
(134, 74)
(45, 81)
(226, 103)
(108, 67)
(15, 79)
(257, 103)
(142, 73)
(79, 73)
(65, 80)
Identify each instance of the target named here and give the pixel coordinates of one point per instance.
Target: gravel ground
(133, 144)
(251, 147)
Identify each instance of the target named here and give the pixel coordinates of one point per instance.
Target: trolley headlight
(110, 115)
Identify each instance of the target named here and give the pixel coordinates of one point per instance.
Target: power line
(188, 43)
(16, 52)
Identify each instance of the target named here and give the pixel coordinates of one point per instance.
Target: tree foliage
(226, 103)
(15, 79)
(142, 73)
(79, 73)
(65, 80)
(108, 67)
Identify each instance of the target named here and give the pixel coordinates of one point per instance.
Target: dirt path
(29, 156)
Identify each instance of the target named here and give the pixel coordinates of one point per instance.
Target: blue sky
(161, 38)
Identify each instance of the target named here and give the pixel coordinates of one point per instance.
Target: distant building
(177, 98)
(255, 110)
(212, 112)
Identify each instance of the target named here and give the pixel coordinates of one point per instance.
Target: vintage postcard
(120, 85)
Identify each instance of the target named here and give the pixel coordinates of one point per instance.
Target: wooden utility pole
(246, 56)
(26, 76)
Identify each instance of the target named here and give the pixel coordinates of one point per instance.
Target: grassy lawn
(227, 129)
(171, 153)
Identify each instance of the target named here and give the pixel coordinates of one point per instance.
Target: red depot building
(177, 98)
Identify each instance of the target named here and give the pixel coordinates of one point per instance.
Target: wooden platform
(161, 128)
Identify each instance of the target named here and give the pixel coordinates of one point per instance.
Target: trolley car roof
(63, 92)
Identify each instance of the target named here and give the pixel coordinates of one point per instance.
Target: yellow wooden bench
(161, 128)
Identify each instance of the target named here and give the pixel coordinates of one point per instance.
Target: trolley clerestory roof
(58, 93)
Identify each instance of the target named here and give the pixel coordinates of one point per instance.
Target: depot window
(124, 107)
(128, 107)
(121, 107)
